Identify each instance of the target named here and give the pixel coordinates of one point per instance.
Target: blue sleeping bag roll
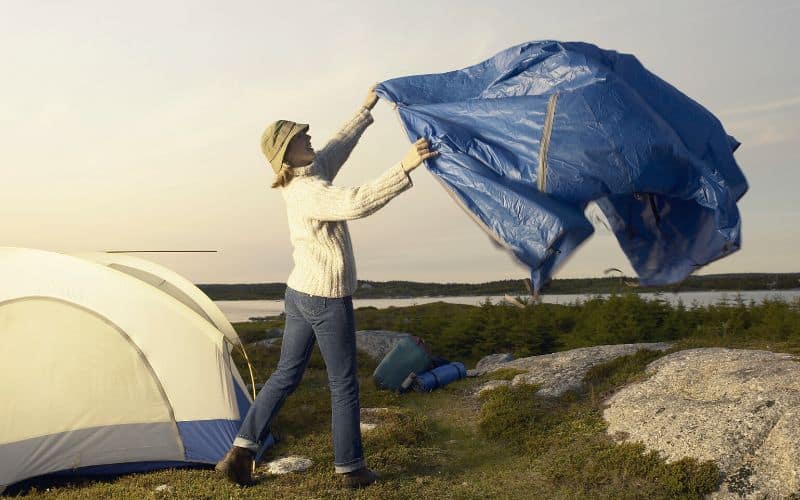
(440, 377)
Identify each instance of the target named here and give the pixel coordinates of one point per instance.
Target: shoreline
(544, 294)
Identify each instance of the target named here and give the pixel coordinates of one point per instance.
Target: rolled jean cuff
(343, 469)
(246, 443)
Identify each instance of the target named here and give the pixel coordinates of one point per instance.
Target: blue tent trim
(123, 468)
(207, 441)
(530, 136)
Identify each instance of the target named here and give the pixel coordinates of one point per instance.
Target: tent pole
(252, 385)
(250, 368)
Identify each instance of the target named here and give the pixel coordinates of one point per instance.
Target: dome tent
(168, 282)
(104, 373)
(179, 288)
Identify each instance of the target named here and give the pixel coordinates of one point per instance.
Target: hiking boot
(237, 465)
(359, 478)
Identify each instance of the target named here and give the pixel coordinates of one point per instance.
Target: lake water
(243, 310)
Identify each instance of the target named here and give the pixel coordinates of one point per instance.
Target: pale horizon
(137, 126)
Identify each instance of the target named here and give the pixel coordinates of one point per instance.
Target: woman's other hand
(419, 151)
(372, 98)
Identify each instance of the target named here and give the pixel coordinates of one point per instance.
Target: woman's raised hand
(419, 151)
(372, 98)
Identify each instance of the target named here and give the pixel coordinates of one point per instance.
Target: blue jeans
(330, 321)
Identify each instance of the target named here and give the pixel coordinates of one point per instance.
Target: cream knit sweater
(324, 263)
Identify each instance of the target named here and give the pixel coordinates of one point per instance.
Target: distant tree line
(467, 333)
(621, 284)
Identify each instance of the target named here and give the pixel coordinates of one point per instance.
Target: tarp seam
(544, 145)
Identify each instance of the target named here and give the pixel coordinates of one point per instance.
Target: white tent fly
(169, 282)
(103, 372)
(172, 283)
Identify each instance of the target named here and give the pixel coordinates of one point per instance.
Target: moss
(428, 446)
(401, 441)
(503, 374)
(516, 416)
(401, 427)
(573, 454)
(605, 377)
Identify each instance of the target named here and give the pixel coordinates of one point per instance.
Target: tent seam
(130, 341)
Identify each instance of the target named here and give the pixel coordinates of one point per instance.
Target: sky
(136, 125)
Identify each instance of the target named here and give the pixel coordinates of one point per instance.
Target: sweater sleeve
(322, 201)
(331, 157)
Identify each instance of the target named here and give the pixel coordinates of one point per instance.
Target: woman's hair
(283, 178)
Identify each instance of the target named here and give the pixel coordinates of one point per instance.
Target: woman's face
(299, 152)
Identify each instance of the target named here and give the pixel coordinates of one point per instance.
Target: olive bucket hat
(276, 138)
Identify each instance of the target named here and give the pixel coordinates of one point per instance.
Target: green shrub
(516, 416)
(622, 370)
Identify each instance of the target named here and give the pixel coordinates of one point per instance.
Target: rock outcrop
(740, 408)
(378, 343)
(489, 363)
(560, 371)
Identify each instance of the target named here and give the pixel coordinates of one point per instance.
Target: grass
(569, 449)
(509, 444)
(259, 330)
(443, 444)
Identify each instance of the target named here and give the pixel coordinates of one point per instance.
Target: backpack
(409, 355)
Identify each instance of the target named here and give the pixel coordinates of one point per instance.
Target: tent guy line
(162, 251)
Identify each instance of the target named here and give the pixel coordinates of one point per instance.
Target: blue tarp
(530, 136)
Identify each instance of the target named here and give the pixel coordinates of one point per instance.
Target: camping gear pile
(111, 364)
(410, 366)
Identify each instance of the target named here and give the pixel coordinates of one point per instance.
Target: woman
(318, 301)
